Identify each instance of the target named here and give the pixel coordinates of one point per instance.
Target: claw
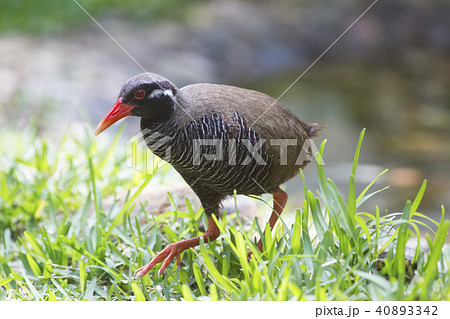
(166, 255)
(139, 273)
(174, 250)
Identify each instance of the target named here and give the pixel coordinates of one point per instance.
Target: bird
(221, 139)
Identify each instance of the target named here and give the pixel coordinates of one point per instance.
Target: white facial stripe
(157, 93)
(169, 93)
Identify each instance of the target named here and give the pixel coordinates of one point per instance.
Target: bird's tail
(312, 128)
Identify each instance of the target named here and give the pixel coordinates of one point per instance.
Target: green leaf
(137, 292)
(283, 290)
(400, 251)
(51, 296)
(61, 289)
(351, 202)
(199, 278)
(376, 279)
(419, 197)
(363, 193)
(191, 211)
(296, 232)
(305, 187)
(34, 244)
(364, 228)
(360, 201)
(268, 241)
(33, 289)
(187, 294)
(5, 281)
(82, 276)
(216, 276)
(118, 219)
(358, 149)
(90, 289)
(319, 221)
(173, 237)
(431, 267)
(34, 266)
(83, 251)
(321, 172)
(242, 252)
(16, 276)
(348, 222)
(213, 292)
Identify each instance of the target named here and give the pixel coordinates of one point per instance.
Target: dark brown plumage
(221, 138)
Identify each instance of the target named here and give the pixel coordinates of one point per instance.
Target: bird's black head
(150, 94)
(147, 95)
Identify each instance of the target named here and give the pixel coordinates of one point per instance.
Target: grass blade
(358, 149)
(138, 292)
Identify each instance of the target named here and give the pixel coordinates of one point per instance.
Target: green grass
(56, 16)
(58, 243)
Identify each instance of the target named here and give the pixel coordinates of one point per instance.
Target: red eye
(140, 94)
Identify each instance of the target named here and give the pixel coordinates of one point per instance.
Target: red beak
(117, 112)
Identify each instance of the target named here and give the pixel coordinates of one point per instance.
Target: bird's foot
(167, 255)
(174, 250)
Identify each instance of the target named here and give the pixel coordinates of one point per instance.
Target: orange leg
(279, 202)
(174, 250)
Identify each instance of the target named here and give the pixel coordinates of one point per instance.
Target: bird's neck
(164, 126)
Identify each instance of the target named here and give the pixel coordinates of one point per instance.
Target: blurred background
(390, 73)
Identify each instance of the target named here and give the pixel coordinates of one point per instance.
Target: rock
(156, 201)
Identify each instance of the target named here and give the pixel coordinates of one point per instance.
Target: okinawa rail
(220, 139)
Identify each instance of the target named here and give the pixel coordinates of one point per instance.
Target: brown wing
(266, 116)
(270, 118)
